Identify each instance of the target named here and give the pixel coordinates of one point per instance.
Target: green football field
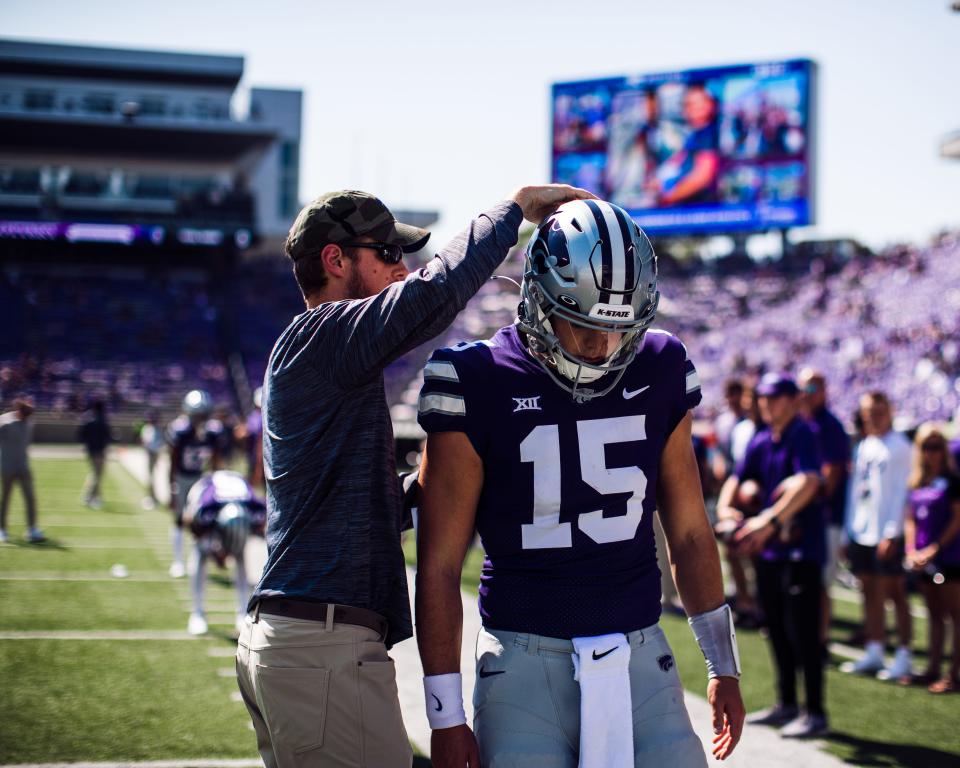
(97, 668)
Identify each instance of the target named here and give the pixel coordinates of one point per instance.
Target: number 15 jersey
(569, 489)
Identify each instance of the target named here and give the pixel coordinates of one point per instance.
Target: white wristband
(444, 699)
(718, 641)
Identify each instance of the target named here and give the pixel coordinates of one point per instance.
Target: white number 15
(542, 448)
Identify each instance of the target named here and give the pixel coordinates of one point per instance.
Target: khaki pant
(321, 695)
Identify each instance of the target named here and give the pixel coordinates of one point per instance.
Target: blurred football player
(557, 439)
(194, 440)
(221, 510)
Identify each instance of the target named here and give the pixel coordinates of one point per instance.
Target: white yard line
(98, 634)
(154, 578)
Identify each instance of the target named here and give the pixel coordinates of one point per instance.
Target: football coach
(312, 659)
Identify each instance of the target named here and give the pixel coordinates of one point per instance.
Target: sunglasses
(386, 252)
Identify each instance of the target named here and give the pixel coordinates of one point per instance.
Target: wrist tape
(718, 641)
(444, 700)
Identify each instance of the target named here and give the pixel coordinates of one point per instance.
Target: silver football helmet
(197, 402)
(233, 524)
(590, 264)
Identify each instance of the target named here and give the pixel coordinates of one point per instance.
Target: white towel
(602, 666)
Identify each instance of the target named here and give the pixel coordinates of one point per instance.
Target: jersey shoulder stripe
(442, 403)
(441, 370)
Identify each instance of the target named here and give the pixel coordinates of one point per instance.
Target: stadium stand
(136, 338)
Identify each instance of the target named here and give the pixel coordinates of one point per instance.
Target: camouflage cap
(342, 216)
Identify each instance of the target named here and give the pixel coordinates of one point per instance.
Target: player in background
(557, 440)
(152, 439)
(221, 511)
(94, 434)
(195, 441)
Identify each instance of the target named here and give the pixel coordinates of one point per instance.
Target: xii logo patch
(527, 404)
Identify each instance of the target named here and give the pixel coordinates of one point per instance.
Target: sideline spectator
(153, 441)
(724, 424)
(874, 527)
(745, 603)
(835, 451)
(786, 540)
(94, 433)
(333, 597)
(16, 432)
(932, 538)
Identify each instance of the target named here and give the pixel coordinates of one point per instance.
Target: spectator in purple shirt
(786, 540)
(835, 451)
(932, 538)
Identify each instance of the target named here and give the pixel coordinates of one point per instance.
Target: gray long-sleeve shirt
(333, 500)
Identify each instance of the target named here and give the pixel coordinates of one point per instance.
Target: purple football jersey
(931, 510)
(565, 514)
(196, 445)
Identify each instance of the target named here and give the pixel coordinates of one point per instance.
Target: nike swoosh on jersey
(627, 395)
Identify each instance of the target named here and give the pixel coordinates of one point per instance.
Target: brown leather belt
(310, 611)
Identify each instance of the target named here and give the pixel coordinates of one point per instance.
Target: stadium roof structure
(140, 136)
(950, 146)
(117, 64)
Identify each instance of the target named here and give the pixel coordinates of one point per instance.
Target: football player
(221, 510)
(194, 440)
(557, 440)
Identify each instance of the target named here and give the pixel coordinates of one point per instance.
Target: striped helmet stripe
(626, 232)
(617, 252)
(606, 256)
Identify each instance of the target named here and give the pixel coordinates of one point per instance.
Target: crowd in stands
(139, 338)
(891, 322)
(134, 338)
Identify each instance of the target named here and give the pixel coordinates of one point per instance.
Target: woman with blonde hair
(932, 538)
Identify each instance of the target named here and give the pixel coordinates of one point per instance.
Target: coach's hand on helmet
(454, 747)
(539, 202)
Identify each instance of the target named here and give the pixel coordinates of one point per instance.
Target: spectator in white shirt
(876, 505)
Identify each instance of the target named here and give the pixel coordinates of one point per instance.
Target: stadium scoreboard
(698, 151)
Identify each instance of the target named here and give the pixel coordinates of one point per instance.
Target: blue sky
(445, 105)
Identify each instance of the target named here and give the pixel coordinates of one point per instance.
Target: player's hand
(723, 693)
(753, 536)
(539, 202)
(454, 747)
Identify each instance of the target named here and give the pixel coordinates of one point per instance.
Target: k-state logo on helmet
(612, 311)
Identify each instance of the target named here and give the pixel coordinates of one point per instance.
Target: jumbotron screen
(698, 151)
